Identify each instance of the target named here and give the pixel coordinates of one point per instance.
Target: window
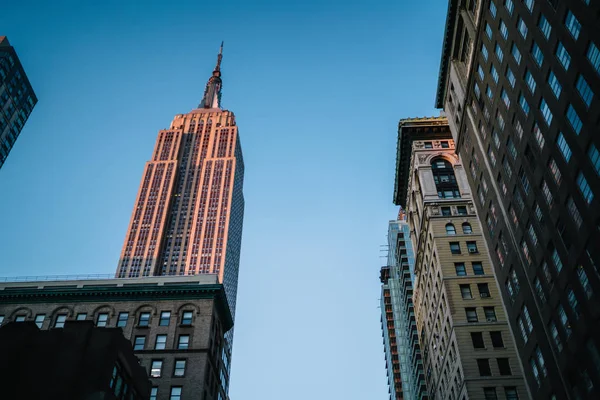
(39, 320)
(529, 4)
(584, 188)
(466, 227)
(564, 320)
(574, 212)
(584, 90)
(539, 290)
(573, 303)
(493, 9)
(556, 260)
(477, 268)
(471, 314)
(186, 318)
(484, 52)
(503, 30)
(573, 25)
(484, 290)
(511, 77)
(477, 338)
(516, 53)
(465, 291)
(161, 342)
(555, 171)
(499, 53)
(472, 247)
(139, 343)
(144, 319)
(505, 97)
(583, 280)
(444, 178)
(450, 229)
(460, 269)
(522, 28)
(484, 367)
(81, 317)
(494, 73)
(594, 156)
(563, 146)
(563, 56)
(537, 54)
(490, 314)
(428, 145)
(175, 393)
(153, 393)
(1, 319)
(446, 211)
(554, 85)
(496, 337)
(544, 26)
(504, 366)
(156, 368)
(511, 392)
(489, 393)
(530, 81)
(574, 119)
(462, 210)
(454, 247)
(523, 103)
(509, 6)
(555, 336)
(184, 342)
(593, 55)
(165, 317)
(488, 31)
(179, 369)
(122, 321)
(60, 321)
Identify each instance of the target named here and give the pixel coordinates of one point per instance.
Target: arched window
(445, 181)
(467, 228)
(450, 229)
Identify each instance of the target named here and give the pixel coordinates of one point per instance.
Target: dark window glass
(455, 247)
(484, 290)
(477, 338)
(445, 180)
(471, 314)
(446, 211)
(478, 268)
(490, 314)
(489, 393)
(462, 210)
(472, 247)
(484, 367)
(496, 337)
(504, 366)
(460, 269)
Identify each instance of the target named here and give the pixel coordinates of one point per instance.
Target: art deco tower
(189, 209)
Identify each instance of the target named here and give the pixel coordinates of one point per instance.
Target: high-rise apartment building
(406, 379)
(16, 98)
(188, 214)
(468, 349)
(519, 81)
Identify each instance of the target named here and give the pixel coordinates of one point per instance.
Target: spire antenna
(212, 91)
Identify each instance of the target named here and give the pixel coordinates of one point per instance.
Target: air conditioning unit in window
(472, 250)
(485, 294)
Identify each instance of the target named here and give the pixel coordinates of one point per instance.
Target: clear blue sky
(318, 88)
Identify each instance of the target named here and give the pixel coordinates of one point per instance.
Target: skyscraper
(16, 98)
(189, 209)
(519, 81)
(406, 379)
(468, 349)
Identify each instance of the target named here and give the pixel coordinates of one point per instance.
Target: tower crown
(212, 92)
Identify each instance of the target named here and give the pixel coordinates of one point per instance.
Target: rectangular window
(554, 84)
(488, 31)
(574, 119)
(454, 247)
(81, 317)
(139, 343)
(489, 92)
(175, 393)
(544, 26)
(573, 25)
(484, 52)
(515, 53)
(477, 339)
(494, 73)
(531, 84)
(153, 393)
(584, 90)
(546, 113)
(484, 367)
(555, 336)
(563, 56)
(471, 313)
(584, 188)
(477, 268)
(522, 27)
(490, 314)
(1, 319)
(179, 369)
(534, 369)
(539, 137)
(523, 103)
(564, 320)
(484, 290)
(480, 72)
(472, 247)
(555, 171)
(493, 9)
(496, 337)
(537, 54)
(39, 320)
(102, 319)
(593, 55)
(585, 283)
(499, 52)
(504, 366)
(184, 342)
(540, 361)
(462, 210)
(156, 368)
(122, 321)
(539, 290)
(509, 6)
(511, 77)
(489, 393)
(594, 156)
(161, 342)
(573, 303)
(465, 291)
(165, 317)
(563, 146)
(529, 4)
(503, 30)
(144, 319)
(460, 269)
(574, 212)
(556, 260)
(505, 98)
(60, 321)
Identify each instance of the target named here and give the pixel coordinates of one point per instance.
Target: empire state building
(188, 214)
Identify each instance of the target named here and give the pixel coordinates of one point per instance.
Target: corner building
(404, 364)
(467, 345)
(519, 81)
(189, 210)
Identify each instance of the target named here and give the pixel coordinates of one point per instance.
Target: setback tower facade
(519, 81)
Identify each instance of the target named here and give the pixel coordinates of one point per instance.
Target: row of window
(471, 247)
(510, 392)
(489, 313)
(175, 393)
(156, 368)
(183, 342)
(466, 228)
(483, 364)
(495, 338)
(483, 288)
